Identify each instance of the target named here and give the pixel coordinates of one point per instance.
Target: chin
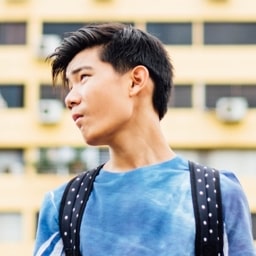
(92, 141)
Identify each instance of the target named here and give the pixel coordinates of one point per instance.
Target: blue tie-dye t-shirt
(145, 212)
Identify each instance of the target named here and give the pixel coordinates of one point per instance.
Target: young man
(119, 81)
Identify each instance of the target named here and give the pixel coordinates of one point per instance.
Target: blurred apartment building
(212, 114)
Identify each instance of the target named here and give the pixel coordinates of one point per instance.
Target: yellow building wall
(192, 128)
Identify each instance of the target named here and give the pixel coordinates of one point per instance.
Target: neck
(142, 147)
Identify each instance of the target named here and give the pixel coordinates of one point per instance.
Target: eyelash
(83, 76)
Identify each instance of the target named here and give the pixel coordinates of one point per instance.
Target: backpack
(206, 197)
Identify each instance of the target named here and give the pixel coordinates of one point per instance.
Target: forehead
(88, 58)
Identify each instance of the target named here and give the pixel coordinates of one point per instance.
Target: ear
(139, 77)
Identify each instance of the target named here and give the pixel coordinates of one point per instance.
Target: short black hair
(124, 47)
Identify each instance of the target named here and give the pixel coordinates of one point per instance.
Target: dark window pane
(13, 95)
(214, 92)
(172, 33)
(249, 92)
(254, 225)
(13, 33)
(229, 33)
(62, 28)
(50, 92)
(181, 97)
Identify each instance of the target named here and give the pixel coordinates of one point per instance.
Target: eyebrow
(75, 71)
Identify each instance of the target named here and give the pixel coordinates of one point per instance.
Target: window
(11, 227)
(13, 33)
(181, 97)
(103, 155)
(36, 221)
(60, 28)
(12, 96)
(50, 92)
(239, 161)
(11, 161)
(172, 33)
(214, 92)
(254, 225)
(229, 33)
(65, 160)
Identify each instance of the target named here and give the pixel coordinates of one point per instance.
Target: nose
(73, 98)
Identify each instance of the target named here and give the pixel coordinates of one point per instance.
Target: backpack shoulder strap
(206, 195)
(72, 206)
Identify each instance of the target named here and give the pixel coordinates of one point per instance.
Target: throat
(126, 162)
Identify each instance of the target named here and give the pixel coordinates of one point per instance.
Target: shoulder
(234, 200)
(230, 184)
(236, 207)
(54, 196)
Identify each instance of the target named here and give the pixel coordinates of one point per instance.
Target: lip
(76, 117)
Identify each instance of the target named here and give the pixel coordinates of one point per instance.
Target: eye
(83, 78)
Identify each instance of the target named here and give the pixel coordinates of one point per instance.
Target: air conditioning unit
(48, 44)
(231, 109)
(50, 111)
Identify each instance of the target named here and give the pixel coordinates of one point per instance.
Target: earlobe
(140, 76)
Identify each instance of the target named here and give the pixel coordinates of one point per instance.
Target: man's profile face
(98, 97)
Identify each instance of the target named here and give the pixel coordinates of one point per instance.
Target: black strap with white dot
(72, 205)
(206, 195)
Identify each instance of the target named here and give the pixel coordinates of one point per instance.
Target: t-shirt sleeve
(237, 217)
(48, 241)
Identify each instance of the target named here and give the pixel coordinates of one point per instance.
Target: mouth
(76, 117)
